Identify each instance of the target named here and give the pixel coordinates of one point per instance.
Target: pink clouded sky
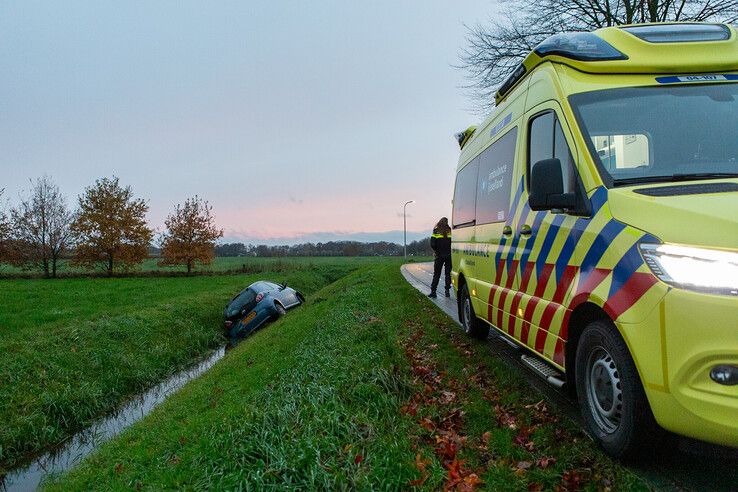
(291, 118)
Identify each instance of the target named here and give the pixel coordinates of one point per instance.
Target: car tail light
(259, 296)
(228, 324)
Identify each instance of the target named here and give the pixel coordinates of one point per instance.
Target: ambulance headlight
(701, 269)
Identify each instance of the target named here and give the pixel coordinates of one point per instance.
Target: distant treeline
(107, 230)
(330, 248)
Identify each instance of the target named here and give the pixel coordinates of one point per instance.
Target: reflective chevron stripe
(516, 241)
(548, 243)
(563, 262)
(637, 285)
(528, 244)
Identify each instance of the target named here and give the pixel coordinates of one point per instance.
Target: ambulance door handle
(526, 230)
(507, 231)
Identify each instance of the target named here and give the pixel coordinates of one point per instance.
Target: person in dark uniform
(441, 245)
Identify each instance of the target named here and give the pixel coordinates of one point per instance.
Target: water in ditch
(84, 442)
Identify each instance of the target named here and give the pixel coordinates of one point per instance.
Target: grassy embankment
(367, 386)
(219, 265)
(73, 349)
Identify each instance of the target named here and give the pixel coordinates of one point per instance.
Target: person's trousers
(438, 265)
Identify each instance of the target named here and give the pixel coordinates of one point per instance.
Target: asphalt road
(684, 464)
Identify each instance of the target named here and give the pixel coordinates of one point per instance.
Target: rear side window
(496, 166)
(546, 140)
(465, 195)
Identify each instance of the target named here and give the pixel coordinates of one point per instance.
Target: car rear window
(244, 298)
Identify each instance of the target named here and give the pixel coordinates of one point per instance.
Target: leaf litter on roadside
(444, 427)
(438, 409)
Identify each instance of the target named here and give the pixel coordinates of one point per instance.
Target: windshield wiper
(672, 177)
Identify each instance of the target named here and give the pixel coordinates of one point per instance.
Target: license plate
(715, 77)
(248, 318)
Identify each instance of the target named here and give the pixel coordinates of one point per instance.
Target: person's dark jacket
(441, 245)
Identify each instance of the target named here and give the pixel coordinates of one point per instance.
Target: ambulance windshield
(663, 133)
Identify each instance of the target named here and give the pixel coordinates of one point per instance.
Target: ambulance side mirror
(547, 187)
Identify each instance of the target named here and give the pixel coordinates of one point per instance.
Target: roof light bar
(680, 33)
(509, 82)
(583, 46)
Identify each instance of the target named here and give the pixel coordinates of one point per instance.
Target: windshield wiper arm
(688, 176)
(673, 177)
(642, 179)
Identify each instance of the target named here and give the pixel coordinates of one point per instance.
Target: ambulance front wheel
(472, 325)
(611, 397)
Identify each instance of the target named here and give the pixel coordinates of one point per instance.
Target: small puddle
(76, 448)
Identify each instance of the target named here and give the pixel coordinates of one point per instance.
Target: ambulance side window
(465, 196)
(563, 154)
(496, 165)
(546, 140)
(540, 139)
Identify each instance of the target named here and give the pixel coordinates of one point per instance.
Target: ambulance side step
(544, 370)
(512, 343)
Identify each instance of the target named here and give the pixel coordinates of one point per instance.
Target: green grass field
(73, 349)
(367, 386)
(219, 264)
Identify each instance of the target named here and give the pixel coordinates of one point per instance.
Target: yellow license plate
(248, 318)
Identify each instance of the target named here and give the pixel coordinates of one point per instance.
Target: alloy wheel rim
(604, 390)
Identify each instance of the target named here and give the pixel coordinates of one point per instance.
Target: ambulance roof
(643, 48)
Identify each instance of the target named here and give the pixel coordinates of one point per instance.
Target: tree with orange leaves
(110, 228)
(190, 236)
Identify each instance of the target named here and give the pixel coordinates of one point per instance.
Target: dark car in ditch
(257, 304)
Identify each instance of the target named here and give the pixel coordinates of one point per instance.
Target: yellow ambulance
(595, 225)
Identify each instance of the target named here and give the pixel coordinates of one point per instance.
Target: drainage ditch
(81, 444)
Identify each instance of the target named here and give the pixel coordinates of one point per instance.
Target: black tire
(473, 326)
(614, 406)
(281, 311)
(300, 298)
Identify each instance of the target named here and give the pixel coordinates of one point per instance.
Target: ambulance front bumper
(699, 334)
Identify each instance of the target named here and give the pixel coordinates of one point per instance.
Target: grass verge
(150, 268)
(368, 386)
(72, 350)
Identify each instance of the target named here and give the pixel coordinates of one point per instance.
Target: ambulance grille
(692, 189)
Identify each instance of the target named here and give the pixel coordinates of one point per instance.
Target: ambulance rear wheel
(472, 325)
(611, 397)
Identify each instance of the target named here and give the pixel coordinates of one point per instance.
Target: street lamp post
(404, 226)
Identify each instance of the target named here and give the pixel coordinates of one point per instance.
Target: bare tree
(493, 51)
(40, 226)
(5, 230)
(110, 227)
(190, 236)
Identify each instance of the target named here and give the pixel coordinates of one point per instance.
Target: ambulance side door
(498, 196)
(545, 252)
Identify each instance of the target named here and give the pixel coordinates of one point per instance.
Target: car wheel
(301, 298)
(281, 311)
(611, 397)
(472, 325)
